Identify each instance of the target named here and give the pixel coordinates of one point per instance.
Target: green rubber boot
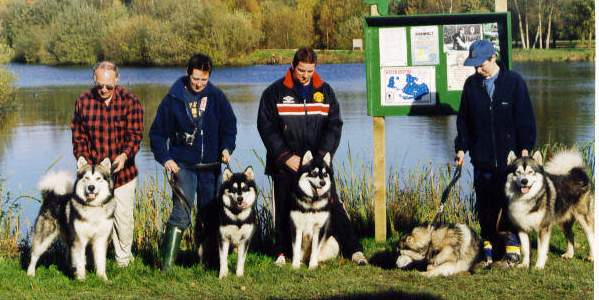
(170, 246)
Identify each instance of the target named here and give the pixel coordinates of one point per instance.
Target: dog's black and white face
(94, 182)
(525, 175)
(315, 175)
(239, 189)
(418, 240)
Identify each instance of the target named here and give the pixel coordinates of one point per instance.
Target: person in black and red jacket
(108, 122)
(297, 113)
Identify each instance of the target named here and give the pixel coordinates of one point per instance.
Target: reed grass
(413, 197)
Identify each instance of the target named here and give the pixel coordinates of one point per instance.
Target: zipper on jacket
(493, 132)
(201, 145)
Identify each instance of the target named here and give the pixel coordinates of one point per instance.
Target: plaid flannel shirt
(101, 130)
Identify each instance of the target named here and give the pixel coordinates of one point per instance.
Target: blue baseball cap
(480, 51)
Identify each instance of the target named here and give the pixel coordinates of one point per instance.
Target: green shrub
(128, 40)
(6, 91)
(76, 33)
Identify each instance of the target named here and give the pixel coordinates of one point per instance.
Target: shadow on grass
(390, 294)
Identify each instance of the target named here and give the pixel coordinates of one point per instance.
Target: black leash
(456, 176)
(178, 192)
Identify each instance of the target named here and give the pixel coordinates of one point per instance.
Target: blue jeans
(193, 183)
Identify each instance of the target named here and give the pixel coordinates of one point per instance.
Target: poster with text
(405, 86)
(491, 33)
(393, 49)
(425, 45)
(456, 71)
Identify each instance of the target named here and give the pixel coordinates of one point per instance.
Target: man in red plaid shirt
(108, 122)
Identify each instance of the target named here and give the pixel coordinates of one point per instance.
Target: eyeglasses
(109, 87)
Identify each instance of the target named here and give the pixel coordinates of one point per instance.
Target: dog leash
(456, 176)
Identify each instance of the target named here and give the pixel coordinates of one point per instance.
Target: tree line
(166, 32)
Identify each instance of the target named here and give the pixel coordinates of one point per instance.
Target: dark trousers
(284, 184)
(491, 207)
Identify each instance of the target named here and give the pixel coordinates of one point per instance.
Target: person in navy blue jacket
(193, 132)
(495, 117)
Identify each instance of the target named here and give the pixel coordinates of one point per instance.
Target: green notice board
(414, 64)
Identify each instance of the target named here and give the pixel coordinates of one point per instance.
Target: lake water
(37, 136)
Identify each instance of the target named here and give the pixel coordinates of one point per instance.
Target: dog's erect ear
(511, 157)
(327, 159)
(249, 173)
(106, 164)
(227, 174)
(307, 158)
(538, 157)
(81, 162)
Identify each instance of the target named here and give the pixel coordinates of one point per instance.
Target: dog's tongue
(524, 189)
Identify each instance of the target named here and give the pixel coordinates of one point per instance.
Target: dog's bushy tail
(55, 185)
(563, 162)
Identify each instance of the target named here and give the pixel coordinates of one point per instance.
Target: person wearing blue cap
(495, 117)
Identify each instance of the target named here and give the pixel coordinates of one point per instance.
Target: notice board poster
(405, 86)
(393, 46)
(425, 45)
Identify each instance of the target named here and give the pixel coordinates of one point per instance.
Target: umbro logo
(288, 100)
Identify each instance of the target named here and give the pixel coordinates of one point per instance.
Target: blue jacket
(490, 128)
(219, 127)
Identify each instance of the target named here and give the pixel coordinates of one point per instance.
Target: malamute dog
(310, 212)
(79, 216)
(446, 250)
(236, 206)
(540, 196)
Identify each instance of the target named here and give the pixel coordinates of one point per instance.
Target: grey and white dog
(81, 214)
(540, 196)
(446, 249)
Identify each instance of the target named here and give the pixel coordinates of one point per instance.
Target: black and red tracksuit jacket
(293, 119)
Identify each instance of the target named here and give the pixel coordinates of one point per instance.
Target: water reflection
(38, 133)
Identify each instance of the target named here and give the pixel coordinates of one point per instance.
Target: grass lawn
(340, 279)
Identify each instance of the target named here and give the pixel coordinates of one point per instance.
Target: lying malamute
(236, 206)
(446, 250)
(80, 216)
(310, 212)
(539, 197)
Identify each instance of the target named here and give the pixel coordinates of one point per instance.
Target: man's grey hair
(105, 65)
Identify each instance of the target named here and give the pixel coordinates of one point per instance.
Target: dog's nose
(91, 188)
(524, 181)
(239, 199)
(322, 183)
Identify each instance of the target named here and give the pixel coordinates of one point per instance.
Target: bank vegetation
(166, 32)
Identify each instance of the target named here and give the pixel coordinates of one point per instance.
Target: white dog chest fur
(236, 234)
(306, 222)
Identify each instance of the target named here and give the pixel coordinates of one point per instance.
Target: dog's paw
(428, 274)
(31, 273)
(295, 265)
(80, 277)
(589, 258)
(403, 261)
(568, 255)
(102, 276)
(312, 266)
(222, 275)
(522, 265)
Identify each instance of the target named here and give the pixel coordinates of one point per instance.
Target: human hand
(119, 162)
(293, 163)
(524, 152)
(459, 158)
(226, 157)
(171, 166)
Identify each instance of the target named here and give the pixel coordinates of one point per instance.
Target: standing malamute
(237, 217)
(79, 216)
(539, 197)
(310, 212)
(446, 250)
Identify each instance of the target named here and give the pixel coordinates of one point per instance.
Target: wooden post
(379, 169)
(500, 5)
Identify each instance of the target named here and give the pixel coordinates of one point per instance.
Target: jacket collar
(178, 88)
(316, 81)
